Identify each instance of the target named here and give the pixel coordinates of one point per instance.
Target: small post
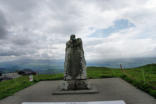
(121, 67)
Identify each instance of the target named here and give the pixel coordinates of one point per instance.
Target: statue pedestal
(75, 87)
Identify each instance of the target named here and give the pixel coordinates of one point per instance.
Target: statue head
(72, 37)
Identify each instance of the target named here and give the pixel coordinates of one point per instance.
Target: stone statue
(75, 65)
(75, 78)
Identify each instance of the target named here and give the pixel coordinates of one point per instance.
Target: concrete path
(109, 89)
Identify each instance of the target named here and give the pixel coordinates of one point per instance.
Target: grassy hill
(143, 77)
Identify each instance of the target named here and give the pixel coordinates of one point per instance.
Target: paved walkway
(109, 89)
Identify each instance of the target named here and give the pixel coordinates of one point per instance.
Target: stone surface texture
(75, 65)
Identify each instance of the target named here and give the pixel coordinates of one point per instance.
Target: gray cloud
(9, 53)
(33, 28)
(19, 6)
(3, 24)
(22, 41)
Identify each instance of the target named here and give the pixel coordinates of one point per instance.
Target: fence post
(143, 75)
(122, 68)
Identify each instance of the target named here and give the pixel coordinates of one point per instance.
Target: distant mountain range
(57, 66)
(127, 63)
(41, 66)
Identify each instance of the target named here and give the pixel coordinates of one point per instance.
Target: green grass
(102, 72)
(43, 77)
(143, 77)
(9, 87)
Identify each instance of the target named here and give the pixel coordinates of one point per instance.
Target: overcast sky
(110, 29)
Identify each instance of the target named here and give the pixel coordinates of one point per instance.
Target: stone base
(75, 87)
(92, 90)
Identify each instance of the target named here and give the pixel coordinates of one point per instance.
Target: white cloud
(41, 28)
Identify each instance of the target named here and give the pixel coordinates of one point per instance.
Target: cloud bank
(110, 29)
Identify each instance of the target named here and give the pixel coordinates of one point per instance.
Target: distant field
(143, 77)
